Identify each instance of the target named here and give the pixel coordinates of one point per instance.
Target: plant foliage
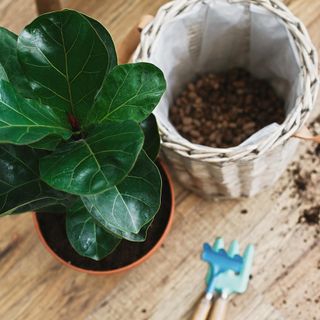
(76, 130)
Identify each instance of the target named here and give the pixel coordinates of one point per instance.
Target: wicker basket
(242, 170)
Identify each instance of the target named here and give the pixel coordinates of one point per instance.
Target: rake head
(228, 271)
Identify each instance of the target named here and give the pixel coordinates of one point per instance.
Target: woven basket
(238, 171)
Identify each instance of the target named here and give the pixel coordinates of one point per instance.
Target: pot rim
(131, 265)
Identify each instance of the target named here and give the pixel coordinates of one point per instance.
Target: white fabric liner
(216, 36)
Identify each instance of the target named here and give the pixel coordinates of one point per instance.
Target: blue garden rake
(228, 273)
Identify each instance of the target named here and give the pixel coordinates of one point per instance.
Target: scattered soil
(306, 180)
(223, 110)
(299, 180)
(317, 150)
(53, 229)
(311, 216)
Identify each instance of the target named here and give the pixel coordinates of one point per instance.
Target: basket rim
(295, 119)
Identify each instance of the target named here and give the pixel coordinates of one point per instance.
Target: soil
(311, 216)
(306, 181)
(52, 226)
(223, 110)
(300, 181)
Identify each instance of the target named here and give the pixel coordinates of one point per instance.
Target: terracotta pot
(167, 204)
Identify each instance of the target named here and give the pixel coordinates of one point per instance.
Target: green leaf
(24, 121)
(10, 63)
(130, 91)
(48, 143)
(151, 137)
(85, 236)
(130, 236)
(3, 74)
(106, 38)
(66, 58)
(131, 204)
(20, 187)
(96, 163)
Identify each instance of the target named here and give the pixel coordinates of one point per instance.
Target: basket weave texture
(237, 172)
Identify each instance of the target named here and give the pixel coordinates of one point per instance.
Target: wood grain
(44, 6)
(286, 273)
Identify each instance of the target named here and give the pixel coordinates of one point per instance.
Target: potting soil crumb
(317, 150)
(311, 216)
(223, 110)
(299, 180)
(305, 175)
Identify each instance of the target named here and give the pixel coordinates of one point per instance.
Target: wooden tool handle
(203, 309)
(132, 39)
(219, 310)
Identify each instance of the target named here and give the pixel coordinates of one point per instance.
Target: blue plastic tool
(219, 262)
(228, 273)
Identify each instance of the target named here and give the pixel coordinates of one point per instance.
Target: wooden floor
(286, 273)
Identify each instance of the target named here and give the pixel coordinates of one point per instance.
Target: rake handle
(219, 311)
(203, 309)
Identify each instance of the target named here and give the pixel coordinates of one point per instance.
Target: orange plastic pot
(135, 263)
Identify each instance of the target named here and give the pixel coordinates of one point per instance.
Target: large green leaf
(10, 63)
(130, 91)
(85, 236)
(3, 74)
(106, 38)
(20, 187)
(130, 236)
(24, 121)
(48, 143)
(66, 58)
(95, 163)
(132, 203)
(151, 137)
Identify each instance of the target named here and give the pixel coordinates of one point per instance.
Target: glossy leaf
(132, 203)
(106, 38)
(85, 236)
(151, 137)
(130, 91)
(96, 163)
(130, 236)
(10, 63)
(48, 143)
(66, 59)
(3, 74)
(24, 121)
(20, 187)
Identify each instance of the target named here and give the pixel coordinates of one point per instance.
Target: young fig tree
(76, 130)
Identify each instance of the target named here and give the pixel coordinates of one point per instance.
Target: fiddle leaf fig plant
(76, 130)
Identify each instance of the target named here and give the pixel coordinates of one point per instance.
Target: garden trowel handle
(132, 39)
(219, 310)
(203, 309)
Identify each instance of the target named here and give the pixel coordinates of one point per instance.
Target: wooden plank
(44, 6)
(286, 272)
(176, 280)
